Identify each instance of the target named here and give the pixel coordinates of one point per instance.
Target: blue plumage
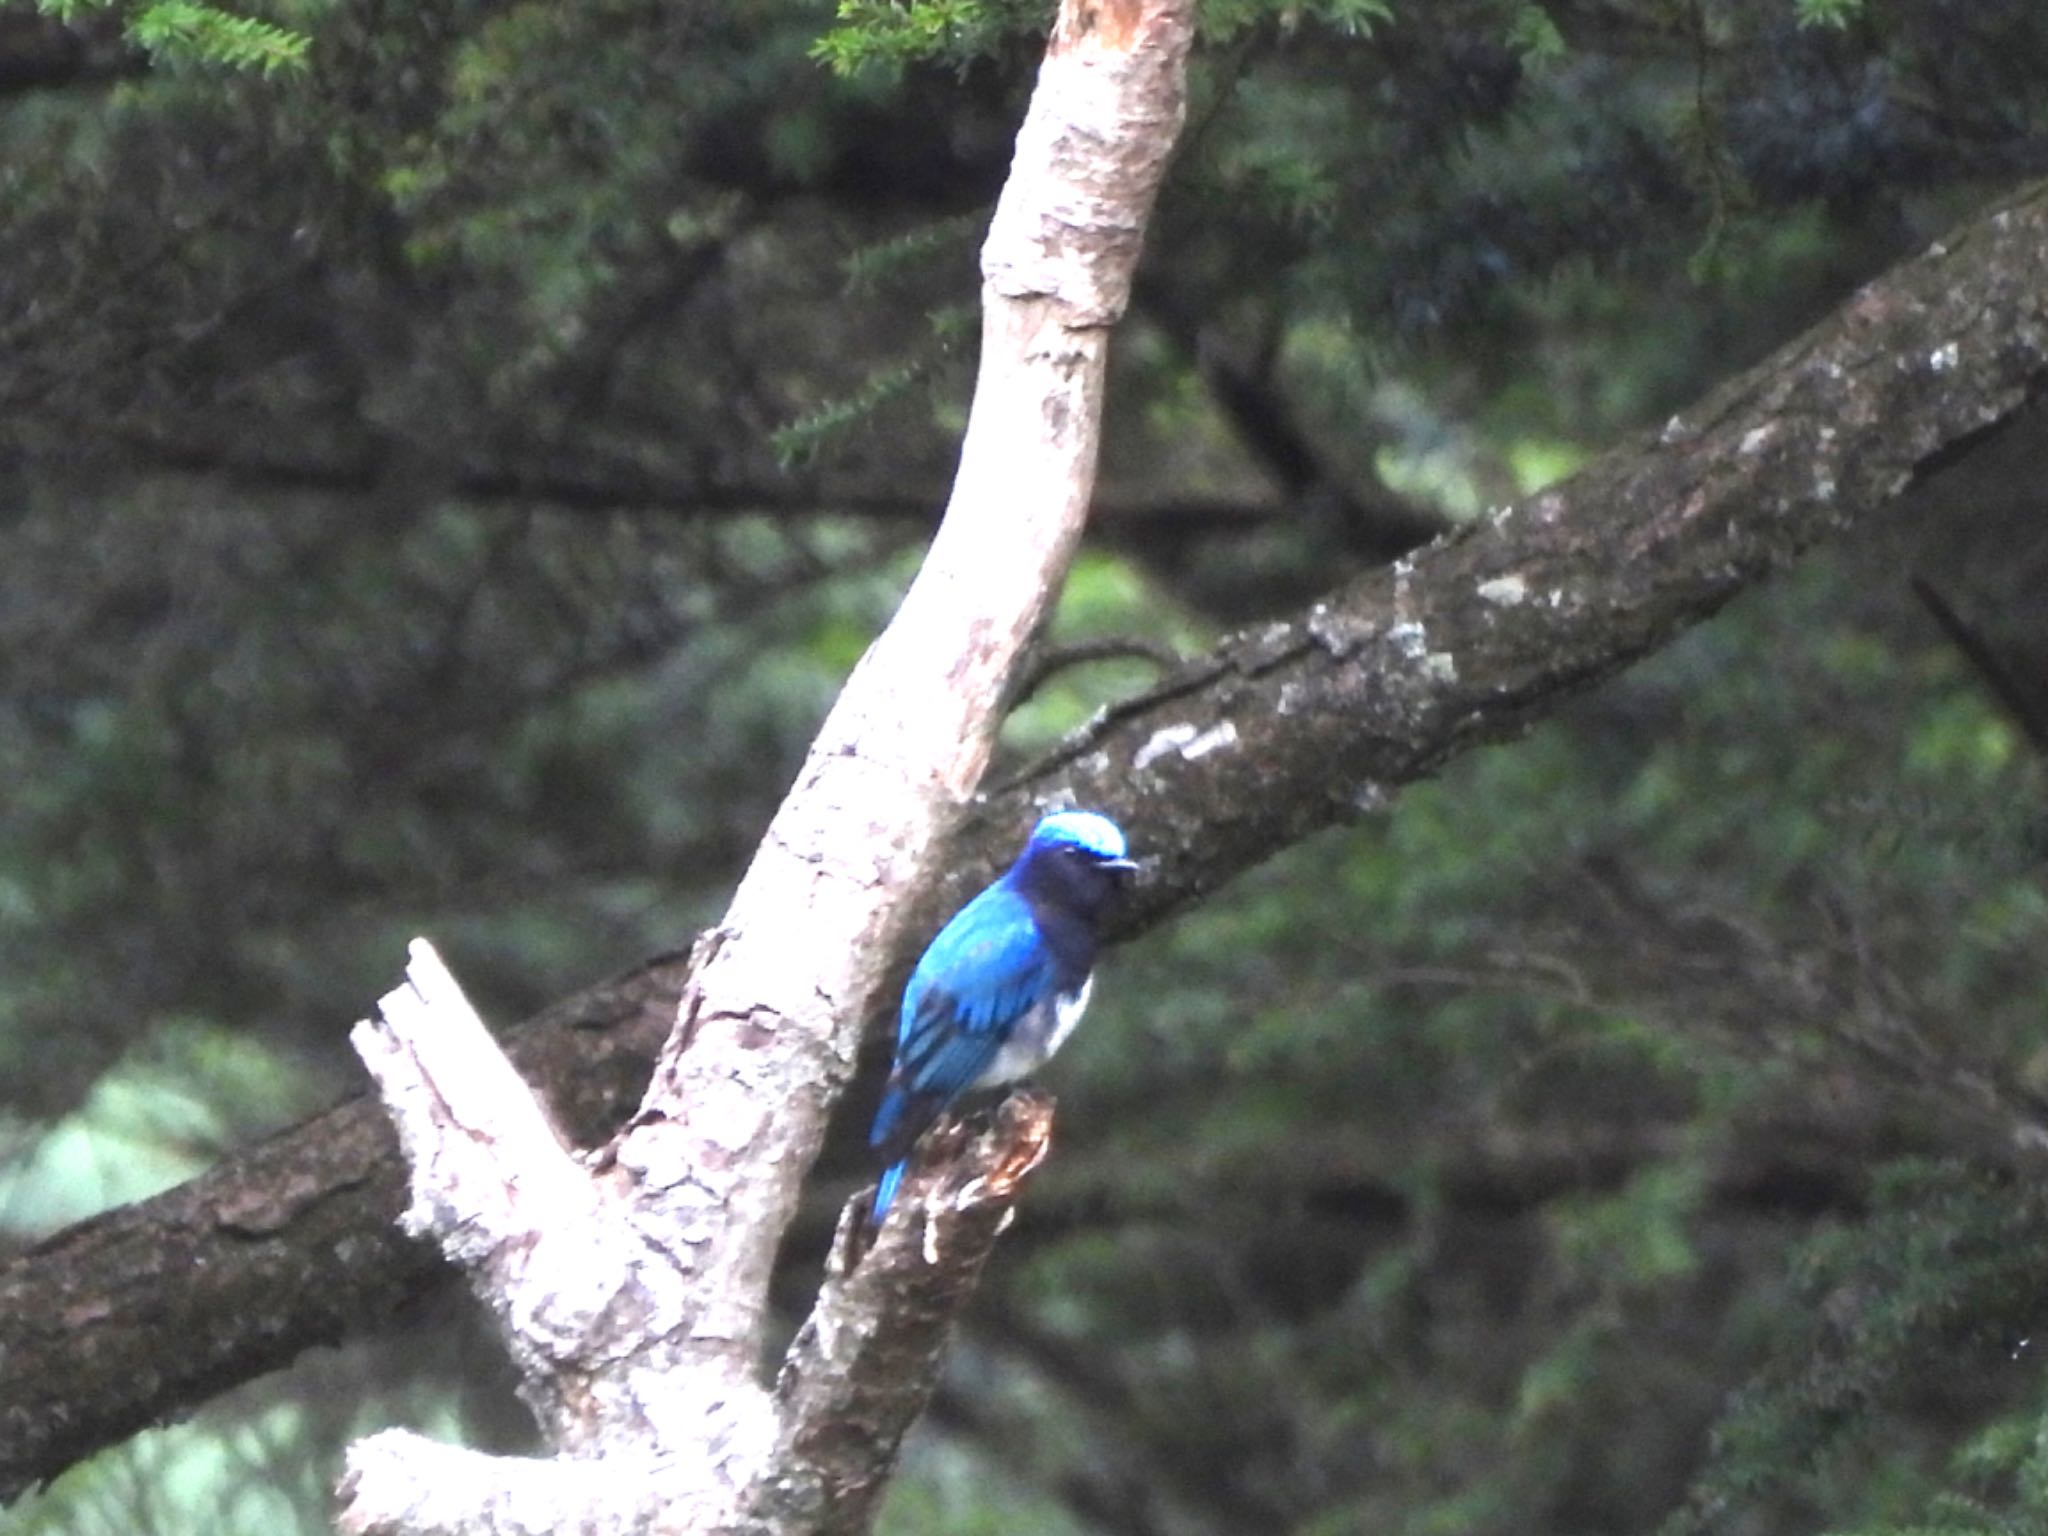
(1003, 984)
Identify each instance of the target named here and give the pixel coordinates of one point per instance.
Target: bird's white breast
(1036, 1036)
(1066, 1013)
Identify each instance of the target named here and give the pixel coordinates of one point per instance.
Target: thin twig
(1053, 660)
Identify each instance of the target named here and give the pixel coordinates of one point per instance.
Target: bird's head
(1080, 855)
(1089, 834)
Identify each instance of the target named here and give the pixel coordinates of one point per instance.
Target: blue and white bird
(1003, 984)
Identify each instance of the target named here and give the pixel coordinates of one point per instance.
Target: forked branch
(638, 1322)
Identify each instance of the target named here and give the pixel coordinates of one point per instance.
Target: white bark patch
(1944, 357)
(1410, 640)
(1215, 739)
(1339, 631)
(1161, 742)
(1507, 591)
(1189, 740)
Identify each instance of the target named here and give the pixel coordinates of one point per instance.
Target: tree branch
(497, 1188)
(862, 1367)
(1476, 637)
(1046, 664)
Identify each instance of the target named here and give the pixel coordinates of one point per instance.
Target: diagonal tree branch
(1280, 731)
(1474, 638)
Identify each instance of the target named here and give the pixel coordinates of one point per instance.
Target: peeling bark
(552, 1250)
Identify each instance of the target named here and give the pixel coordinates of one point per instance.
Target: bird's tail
(890, 1124)
(886, 1190)
(897, 1124)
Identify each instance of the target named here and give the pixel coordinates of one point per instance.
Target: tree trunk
(632, 1289)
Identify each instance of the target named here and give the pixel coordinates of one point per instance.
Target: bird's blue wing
(986, 969)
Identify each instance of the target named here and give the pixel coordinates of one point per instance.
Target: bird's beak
(1121, 866)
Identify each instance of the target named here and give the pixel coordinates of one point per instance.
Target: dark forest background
(450, 453)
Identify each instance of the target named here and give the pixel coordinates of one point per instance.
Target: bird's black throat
(1069, 890)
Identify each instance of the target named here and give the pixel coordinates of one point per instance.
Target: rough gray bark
(632, 1290)
(124, 1320)
(1280, 731)
(865, 1362)
(1474, 638)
